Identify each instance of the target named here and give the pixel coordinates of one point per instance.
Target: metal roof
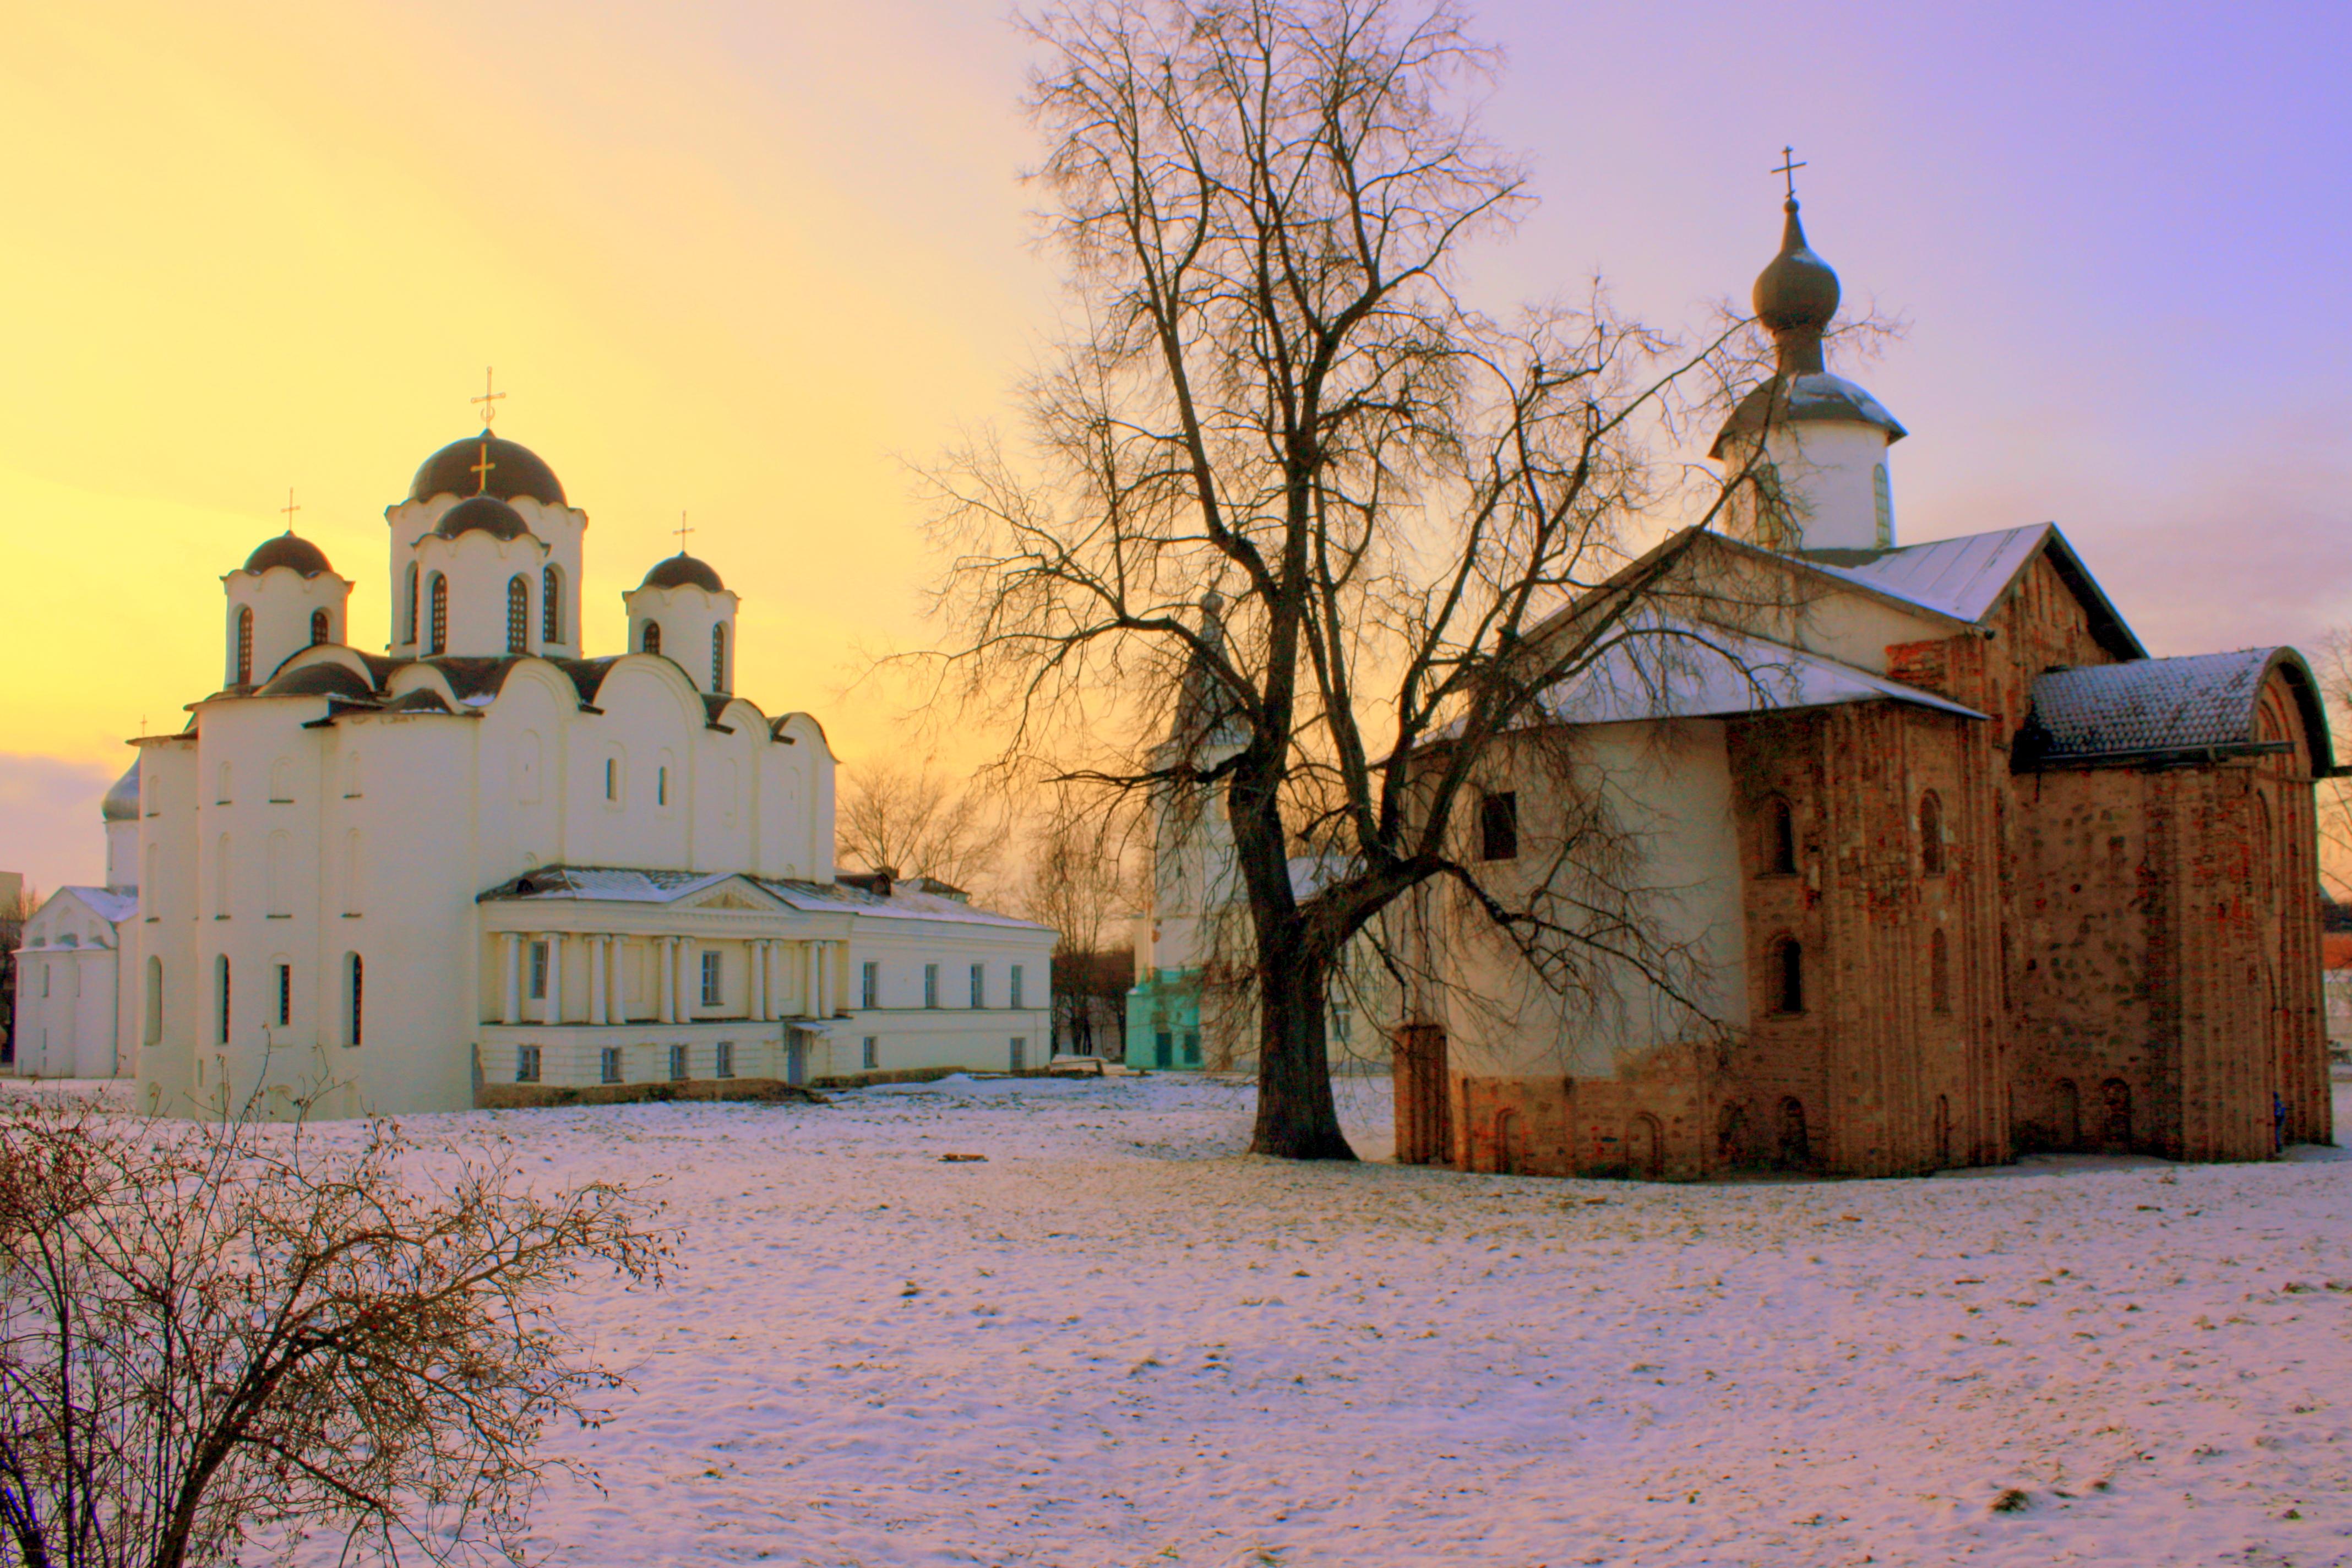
(1966, 577)
(1679, 669)
(630, 885)
(2156, 709)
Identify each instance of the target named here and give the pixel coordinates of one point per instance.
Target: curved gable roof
(2155, 710)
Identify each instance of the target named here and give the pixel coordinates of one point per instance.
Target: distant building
(1959, 872)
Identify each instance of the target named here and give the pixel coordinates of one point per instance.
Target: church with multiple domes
(488, 866)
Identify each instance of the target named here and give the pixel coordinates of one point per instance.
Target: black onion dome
(681, 569)
(515, 470)
(1796, 290)
(487, 513)
(289, 550)
(324, 679)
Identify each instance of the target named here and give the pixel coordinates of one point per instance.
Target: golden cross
(289, 509)
(482, 469)
(682, 531)
(489, 399)
(1787, 169)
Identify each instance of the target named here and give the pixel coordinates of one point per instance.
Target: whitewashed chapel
(484, 868)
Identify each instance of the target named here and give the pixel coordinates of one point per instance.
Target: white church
(484, 868)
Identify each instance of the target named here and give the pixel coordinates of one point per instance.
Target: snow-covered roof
(620, 884)
(2150, 708)
(113, 905)
(1965, 578)
(1685, 670)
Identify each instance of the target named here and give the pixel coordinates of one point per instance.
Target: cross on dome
(289, 509)
(682, 530)
(481, 470)
(1787, 169)
(490, 397)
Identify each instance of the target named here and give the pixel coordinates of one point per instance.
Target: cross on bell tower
(1790, 164)
(682, 530)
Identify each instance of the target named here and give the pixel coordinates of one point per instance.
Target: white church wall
(650, 721)
(67, 992)
(1668, 786)
(169, 989)
(478, 566)
(282, 602)
(563, 530)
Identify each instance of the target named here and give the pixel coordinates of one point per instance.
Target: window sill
(277, 917)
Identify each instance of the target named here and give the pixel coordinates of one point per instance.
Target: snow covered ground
(1118, 1340)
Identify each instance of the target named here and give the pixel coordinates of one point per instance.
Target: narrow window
(518, 615)
(352, 775)
(439, 611)
(551, 605)
(718, 658)
(1779, 838)
(723, 1066)
(1014, 999)
(408, 623)
(153, 1031)
(611, 778)
(710, 975)
(526, 1064)
(539, 971)
(870, 1054)
(1884, 495)
(1498, 826)
(661, 786)
(357, 1031)
(651, 642)
(608, 1065)
(317, 628)
(678, 1063)
(222, 972)
(46, 967)
(869, 985)
(930, 985)
(244, 646)
(1789, 977)
(1939, 973)
(979, 986)
(1931, 835)
(1342, 1023)
(284, 995)
(1018, 1054)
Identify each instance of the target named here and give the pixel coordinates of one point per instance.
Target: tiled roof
(2146, 708)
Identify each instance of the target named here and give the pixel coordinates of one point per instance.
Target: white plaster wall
(686, 614)
(478, 565)
(1669, 785)
(66, 992)
(1828, 472)
(281, 600)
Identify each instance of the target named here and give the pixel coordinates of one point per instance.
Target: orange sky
(254, 246)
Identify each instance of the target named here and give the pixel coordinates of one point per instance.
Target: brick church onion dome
(515, 470)
(681, 570)
(121, 802)
(287, 550)
(485, 513)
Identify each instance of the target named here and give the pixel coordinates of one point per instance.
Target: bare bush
(222, 1338)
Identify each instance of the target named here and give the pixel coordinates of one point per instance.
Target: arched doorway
(1507, 1140)
(2115, 1116)
(2066, 1129)
(1645, 1150)
(1943, 1132)
(1796, 1144)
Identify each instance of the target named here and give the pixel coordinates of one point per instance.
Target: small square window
(724, 1066)
(871, 1057)
(526, 1064)
(609, 1064)
(678, 1063)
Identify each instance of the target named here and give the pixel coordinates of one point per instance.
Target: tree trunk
(1297, 1118)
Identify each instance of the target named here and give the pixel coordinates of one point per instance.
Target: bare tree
(220, 1335)
(2333, 799)
(1080, 880)
(916, 822)
(1280, 393)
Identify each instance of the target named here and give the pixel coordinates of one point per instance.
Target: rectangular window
(608, 1066)
(1014, 1000)
(869, 985)
(1164, 1050)
(359, 997)
(930, 985)
(1191, 1048)
(526, 1064)
(1498, 826)
(710, 976)
(979, 985)
(725, 1065)
(661, 786)
(1341, 1022)
(678, 1062)
(284, 995)
(1020, 1053)
(871, 1056)
(539, 971)
(224, 997)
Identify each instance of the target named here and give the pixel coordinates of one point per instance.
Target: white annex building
(484, 868)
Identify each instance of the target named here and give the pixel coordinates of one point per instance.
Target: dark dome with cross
(514, 471)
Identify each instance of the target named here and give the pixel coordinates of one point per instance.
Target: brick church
(1947, 868)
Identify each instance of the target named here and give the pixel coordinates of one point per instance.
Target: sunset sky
(746, 260)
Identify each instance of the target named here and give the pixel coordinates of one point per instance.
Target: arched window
(551, 604)
(408, 623)
(652, 642)
(1779, 838)
(221, 997)
(718, 658)
(1939, 973)
(1795, 1143)
(1788, 976)
(2069, 1108)
(1731, 1134)
(354, 997)
(1882, 494)
(439, 612)
(1931, 835)
(244, 646)
(317, 628)
(518, 615)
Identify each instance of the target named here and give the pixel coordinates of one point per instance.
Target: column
(595, 980)
(554, 1012)
(616, 1003)
(686, 993)
(808, 979)
(510, 977)
(755, 981)
(823, 1008)
(667, 1009)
